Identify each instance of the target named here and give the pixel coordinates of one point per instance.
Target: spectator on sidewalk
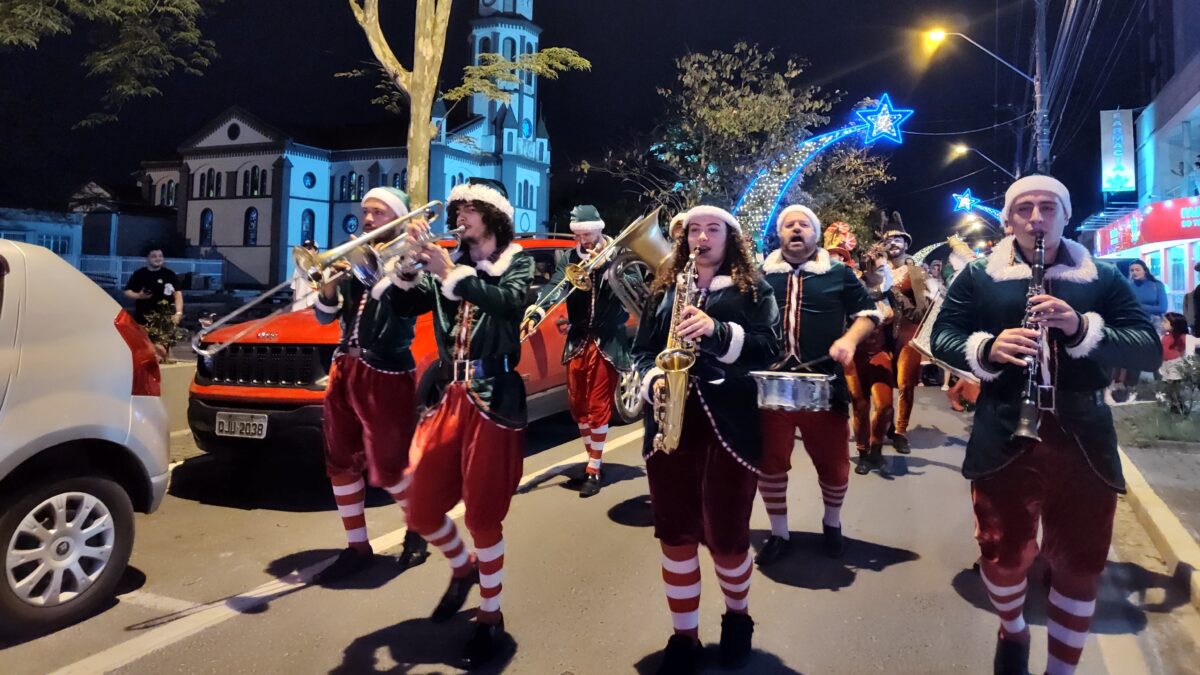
(157, 300)
(1151, 294)
(1191, 305)
(1176, 345)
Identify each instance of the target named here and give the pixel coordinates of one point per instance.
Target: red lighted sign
(1162, 221)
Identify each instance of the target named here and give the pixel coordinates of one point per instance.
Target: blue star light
(965, 201)
(883, 121)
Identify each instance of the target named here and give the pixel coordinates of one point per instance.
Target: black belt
(462, 370)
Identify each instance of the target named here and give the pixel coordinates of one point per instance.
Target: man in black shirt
(157, 300)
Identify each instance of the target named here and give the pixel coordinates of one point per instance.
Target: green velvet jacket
(989, 296)
(494, 291)
(384, 336)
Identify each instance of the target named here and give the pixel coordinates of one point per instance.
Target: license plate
(241, 425)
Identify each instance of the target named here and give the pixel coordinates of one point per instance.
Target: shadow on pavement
(265, 482)
(760, 662)
(418, 643)
(132, 580)
(1119, 608)
(633, 512)
(383, 570)
(899, 466)
(807, 566)
(927, 438)
(572, 477)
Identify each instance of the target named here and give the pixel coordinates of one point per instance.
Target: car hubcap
(630, 393)
(59, 549)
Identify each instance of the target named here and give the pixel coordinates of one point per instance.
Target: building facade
(248, 192)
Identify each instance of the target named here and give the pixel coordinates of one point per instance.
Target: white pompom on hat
(798, 208)
(396, 199)
(1037, 183)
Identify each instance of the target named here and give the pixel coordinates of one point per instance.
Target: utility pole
(1041, 123)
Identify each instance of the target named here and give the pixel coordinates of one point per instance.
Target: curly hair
(738, 264)
(498, 224)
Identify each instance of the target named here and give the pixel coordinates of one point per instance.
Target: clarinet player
(1043, 448)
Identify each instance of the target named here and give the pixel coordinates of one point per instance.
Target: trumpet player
(597, 345)
(371, 379)
(717, 310)
(1042, 324)
(470, 443)
(825, 311)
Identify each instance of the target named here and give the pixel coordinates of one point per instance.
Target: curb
(1178, 549)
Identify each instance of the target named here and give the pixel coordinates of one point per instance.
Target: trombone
(366, 263)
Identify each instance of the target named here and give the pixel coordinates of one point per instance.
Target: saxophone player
(1056, 463)
(718, 311)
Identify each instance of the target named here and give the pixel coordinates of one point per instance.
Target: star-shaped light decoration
(965, 201)
(883, 121)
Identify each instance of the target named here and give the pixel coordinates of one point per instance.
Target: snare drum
(792, 392)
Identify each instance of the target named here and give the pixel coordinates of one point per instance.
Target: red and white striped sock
(350, 495)
(1006, 590)
(1068, 619)
(733, 573)
(833, 497)
(490, 554)
(399, 492)
(681, 577)
(596, 449)
(447, 541)
(774, 495)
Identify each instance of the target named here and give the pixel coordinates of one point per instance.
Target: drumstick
(803, 366)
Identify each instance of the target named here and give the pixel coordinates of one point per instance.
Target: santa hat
(1037, 183)
(798, 209)
(483, 190)
(677, 219)
(705, 210)
(395, 199)
(585, 218)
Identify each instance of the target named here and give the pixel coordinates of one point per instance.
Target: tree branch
(367, 17)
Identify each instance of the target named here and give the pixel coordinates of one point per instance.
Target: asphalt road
(217, 580)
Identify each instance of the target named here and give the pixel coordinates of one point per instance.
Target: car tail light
(146, 378)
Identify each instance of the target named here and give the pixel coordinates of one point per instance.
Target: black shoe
(455, 596)
(591, 486)
(835, 544)
(349, 562)
(484, 644)
(415, 552)
(900, 443)
(864, 463)
(891, 432)
(681, 657)
(575, 477)
(875, 459)
(1012, 658)
(736, 630)
(775, 548)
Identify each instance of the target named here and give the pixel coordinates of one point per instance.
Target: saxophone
(1030, 416)
(675, 361)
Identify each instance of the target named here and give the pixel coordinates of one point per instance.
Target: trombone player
(371, 381)
(596, 352)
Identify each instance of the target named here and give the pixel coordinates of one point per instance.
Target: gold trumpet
(365, 263)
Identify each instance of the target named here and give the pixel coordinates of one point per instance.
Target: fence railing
(114, 271)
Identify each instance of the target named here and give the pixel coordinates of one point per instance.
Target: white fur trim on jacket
(648, 381)
(381, 287)
(467, 192)
(875, 314)
(1091, 339)
(1004, 265)
(777, 264)
(498, 268)
(405, 284)
(719, 282)
(972, 353)
(736, 340)
(456, 274)
(324, 308)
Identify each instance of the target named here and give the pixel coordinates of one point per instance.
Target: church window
(461, 179)
(233, 131)
(353, 186)
(485, 47)
(162, 194)
(250, 227)
(528, 74)
(397, 182)
(170, 193)
(342, 189)
(508, 141)
(350, 224)
(362, 186)
(307, 225)
(246, 183)
(404, 176)
(203, 185)
(262, 182)
(206, 226)
(212, 184)
(310, 179)
(510, 49)
(219, 181)
(254, 181)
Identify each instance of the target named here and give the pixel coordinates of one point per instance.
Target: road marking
(156, 601)
(189, 621)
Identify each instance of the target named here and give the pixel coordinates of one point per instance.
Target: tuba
(675, 360)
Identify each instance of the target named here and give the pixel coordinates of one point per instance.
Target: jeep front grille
(268, 365)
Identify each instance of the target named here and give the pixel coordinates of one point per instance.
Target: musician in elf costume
(597, 346)
(1077, 325)
(909, 302)
(818, 298)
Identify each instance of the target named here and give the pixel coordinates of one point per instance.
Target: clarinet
(1030, 417)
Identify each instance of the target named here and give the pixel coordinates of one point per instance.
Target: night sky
(278, 60)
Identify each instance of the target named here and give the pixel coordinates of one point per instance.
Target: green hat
(585, 218)
(397, 200)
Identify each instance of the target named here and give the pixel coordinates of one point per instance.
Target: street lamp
(960, 149)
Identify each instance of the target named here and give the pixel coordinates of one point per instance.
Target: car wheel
(627, 399)
(66, 545)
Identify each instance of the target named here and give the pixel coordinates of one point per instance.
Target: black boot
(736, 630)
(835, 544)
(1012, 658)
(900, 443)
(349, 562)
(775, 548)
(484, 644)
(455, 596)
(681, 657)
(415, 552)
(864, 463)
(591, 486)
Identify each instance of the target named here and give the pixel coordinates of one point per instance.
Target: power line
(1018, 118)
(952, 180)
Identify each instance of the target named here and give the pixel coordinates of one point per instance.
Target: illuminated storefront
(1166, 236)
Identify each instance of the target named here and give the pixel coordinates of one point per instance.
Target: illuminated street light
(959, 149)
(937, 36)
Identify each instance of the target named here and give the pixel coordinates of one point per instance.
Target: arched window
(219, 181)
(342, 189)
(353, 186)
(397, 182)
(528, 74)
(510, 49)
(307, 225)
(162, 194)
(453, 181)
(461, 179)
(362, 186)
(206, 226)
(350, 223)
(250, 228)
(246, 183)
(262, 182)
(170, 193)
(485, 47)
(404, 176)
(254, 181)
(203, 186)
(212, 184)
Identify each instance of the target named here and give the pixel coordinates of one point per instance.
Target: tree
(418, 86)
(838, 186)
(138, 42)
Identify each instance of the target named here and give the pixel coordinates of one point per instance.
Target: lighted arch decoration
(967, 202)
(761, 200)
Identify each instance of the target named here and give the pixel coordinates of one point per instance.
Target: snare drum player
(373, 377)
(1067, 480)
(470, 442)
(702, 492)
(817, 297)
